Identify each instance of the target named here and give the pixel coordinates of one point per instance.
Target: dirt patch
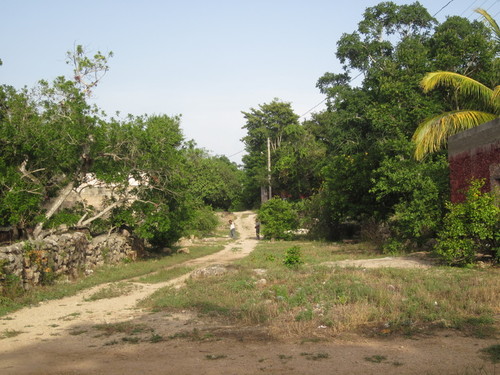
(75, 335)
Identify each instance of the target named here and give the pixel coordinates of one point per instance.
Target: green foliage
(293, 257)
(294, 153)
(204, 222)
(66, 216)
(214, 180)
(470, 228)
(278, 218)
(414, 191)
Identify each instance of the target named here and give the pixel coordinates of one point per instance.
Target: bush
(203, 223)
(470, 228)
(279, 219)
(293, 257)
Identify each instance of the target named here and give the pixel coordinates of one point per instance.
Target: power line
(449, 2)
(475, 1)
(321, 102)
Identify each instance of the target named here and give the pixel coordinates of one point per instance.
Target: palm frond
(432, 134)
(464, 85)
(492, 23)
(495, 98)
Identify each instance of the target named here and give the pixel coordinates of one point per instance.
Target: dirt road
(112, 336)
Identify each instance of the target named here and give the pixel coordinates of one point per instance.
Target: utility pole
(270, 194)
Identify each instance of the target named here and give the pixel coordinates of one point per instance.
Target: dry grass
(318, 301)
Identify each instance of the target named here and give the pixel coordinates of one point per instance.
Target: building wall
(474, 153)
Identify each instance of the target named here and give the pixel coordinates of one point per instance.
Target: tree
(367, 129)
(276, 121)
(214, 180)
(53, 144)
(471, 102)
(294, 152)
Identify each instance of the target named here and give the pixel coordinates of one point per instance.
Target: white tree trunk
(63, 194)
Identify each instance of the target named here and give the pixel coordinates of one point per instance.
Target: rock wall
(68, 254)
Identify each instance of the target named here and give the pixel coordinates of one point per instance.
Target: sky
(204, 60)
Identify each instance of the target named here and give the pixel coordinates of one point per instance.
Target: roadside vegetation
(312, 299)
(347, 172)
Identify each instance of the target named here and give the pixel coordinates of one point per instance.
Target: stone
(213, 270)
(183, 250)
(261, 282)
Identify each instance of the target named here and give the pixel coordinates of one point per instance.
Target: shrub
(470, 227)
(279, 219)
(293, 257)
(203, 223)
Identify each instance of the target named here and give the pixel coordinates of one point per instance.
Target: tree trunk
(63, 194)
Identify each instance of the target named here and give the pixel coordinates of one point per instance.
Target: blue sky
(204, 60)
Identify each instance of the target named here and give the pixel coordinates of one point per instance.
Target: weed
(215, 356)
(111, 291)
(131, 340)
(493, 353)
(284, 357)
(155, 338)
(70, 316)
(164, 275)
(376, 358)
(315, 356)
(9, 333)
(122, 327)
(293, 257)
(78, 332)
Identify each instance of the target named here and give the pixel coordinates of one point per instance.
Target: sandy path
(59, 337)
(57, 316)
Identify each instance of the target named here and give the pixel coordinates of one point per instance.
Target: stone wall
(66, 255)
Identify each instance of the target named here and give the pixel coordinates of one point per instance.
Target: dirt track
(63, 337)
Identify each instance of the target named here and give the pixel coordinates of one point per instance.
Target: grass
(492, 353)
(111, 291)
(296, 302)
(165, 274)
(376, 358)
(105, 274)
(122, 327)
(8, 333)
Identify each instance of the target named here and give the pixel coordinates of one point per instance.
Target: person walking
(232, 229)
(257, 229)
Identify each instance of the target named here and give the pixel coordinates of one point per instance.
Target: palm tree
(432, 134)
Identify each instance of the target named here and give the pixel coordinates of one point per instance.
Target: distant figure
(232, 229)
(257, 229)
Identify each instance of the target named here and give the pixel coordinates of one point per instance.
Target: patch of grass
(111, 291)
(127, 328)
(77, 332)
(215, 356)
(131, 340)
(315, 356)
(376, 358)
(9, 333)
(70, 316)
(492, 353)
(155, 338)
(380, 301)
(194, 335)
(165, 275)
